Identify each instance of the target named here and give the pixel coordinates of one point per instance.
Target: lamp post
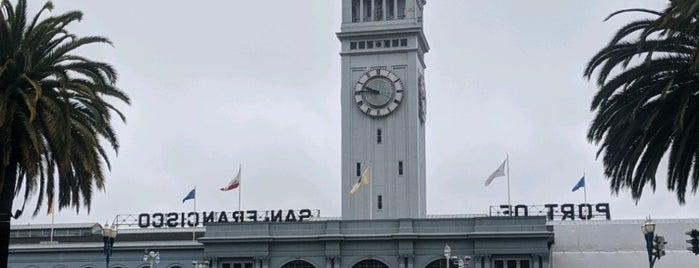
(648, 230)
(108, 235)
(204, 264)
(655, 244)
(447, 253)
(461, 262)
(152, 257)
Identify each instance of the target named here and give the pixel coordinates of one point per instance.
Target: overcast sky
(216, 84)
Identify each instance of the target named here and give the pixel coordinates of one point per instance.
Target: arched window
(298, 264)
(442, 263)
(370, 264)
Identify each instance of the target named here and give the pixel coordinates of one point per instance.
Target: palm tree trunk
(7, 195)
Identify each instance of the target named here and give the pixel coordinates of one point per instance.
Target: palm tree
(53, 113)
(647, 106)
(680, 17)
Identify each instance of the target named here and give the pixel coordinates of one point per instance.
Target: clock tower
(383, 109)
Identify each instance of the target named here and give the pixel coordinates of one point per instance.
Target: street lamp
(108, 235)
(447, 253)
(152, 257)
(461, 262)
(204, 264)
(655, 244)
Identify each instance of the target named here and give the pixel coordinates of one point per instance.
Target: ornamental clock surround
(378, 92)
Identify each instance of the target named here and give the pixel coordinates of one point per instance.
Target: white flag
(497, 173)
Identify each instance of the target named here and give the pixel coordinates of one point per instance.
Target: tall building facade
(383, 108)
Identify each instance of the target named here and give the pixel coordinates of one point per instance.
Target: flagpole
(585, 196)
(195, 212)
(371, 194)
(240, 186)
(509, 202)
(52, 214)
(585, 189)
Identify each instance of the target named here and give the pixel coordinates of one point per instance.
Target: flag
(363, 180)
(234, 183)
(51, 209)
(497, 173)
(190, 195)
(580, 184)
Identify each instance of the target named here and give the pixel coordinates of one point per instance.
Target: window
(442, 263)
(355, 10)
(390, 10)
(401, 9)
(298, 264)
(379, 202)
(394, 43)
(359, 169)
(361, 45)
(400, 167)
(386, 43)
(367, 10)
(511, 264)
(369, 45)
(378, 10)
(236, 265)
(378, 44)
(353, 45)
(404, 42)
(378, 136)
(370, 264)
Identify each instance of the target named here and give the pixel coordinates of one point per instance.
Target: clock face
(378, 92)
(422, 109)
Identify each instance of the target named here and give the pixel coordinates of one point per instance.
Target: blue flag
(580, 184)
(190, 195)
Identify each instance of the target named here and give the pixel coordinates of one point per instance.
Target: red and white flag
(234, 183)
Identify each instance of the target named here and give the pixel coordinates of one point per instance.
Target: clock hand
(374, 90)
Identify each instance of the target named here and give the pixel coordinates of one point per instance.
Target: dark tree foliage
(53, 113)
(647, 103)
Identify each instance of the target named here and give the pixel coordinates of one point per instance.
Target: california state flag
(234, 183)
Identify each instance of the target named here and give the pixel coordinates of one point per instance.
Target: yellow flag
(366, 176)
(363, 180)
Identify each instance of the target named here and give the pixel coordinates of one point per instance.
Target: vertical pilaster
(256, 262)
(411, 261)
(265, 262)
(385, 8)
(329, 261)
(486, 261)
(545, 260)
(361, 10)
(477, 261)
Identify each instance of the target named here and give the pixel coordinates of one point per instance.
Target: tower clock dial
(378, 92)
